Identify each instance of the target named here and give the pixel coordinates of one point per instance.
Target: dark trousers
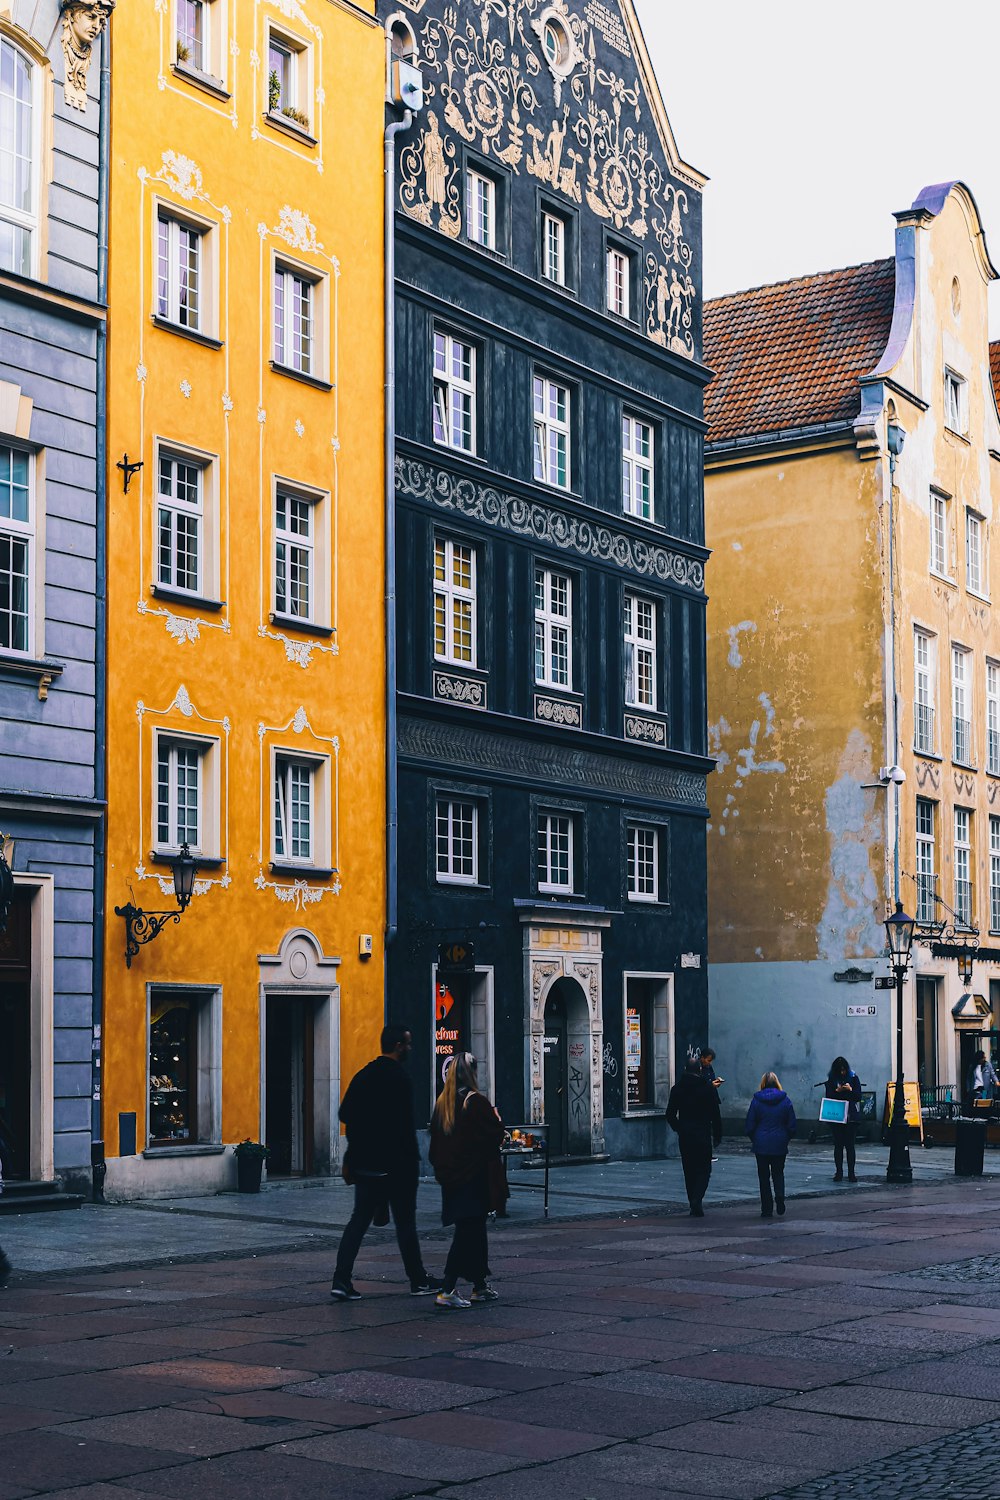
(370, 1194)
(696, 1159)
(843, 1139)
(468, 1257)
(771, 1169)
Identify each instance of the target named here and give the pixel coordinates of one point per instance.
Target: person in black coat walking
(693, 1112)
(383, 1161)
(770, 1126)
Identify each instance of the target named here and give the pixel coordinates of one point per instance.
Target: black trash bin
(970, 1147)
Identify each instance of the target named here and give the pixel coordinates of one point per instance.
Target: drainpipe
(391, 755)
(100, 623)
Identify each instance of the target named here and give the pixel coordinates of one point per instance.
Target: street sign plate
(885, 982)
(457, 957)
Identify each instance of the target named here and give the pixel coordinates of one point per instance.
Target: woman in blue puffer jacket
(770, 1126)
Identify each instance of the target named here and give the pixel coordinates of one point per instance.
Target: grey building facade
(53, 194)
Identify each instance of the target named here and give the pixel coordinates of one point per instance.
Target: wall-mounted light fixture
(128, 469)
(6, 880)
(143, 926)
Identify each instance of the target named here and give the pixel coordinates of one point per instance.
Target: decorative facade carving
(466, 690)
(531, 519)
(558, 711)
(927, 774)
(585, 1062)
(82, 23)
(645, 731)
(499, 68)
(459, 745)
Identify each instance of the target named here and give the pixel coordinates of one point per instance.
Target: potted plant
(250, 1159)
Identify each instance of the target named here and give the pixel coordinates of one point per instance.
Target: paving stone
(456, 1369)
(53, 1461)
(710, 1395)
(704, 1474)
(584, 1408)
(464, 1429)
(921, 1408)
(944, 1377)
(768, 1443)
(959, 1464)
(537, 1354)
(788, 1371)
(312, 1410)
(554, 1484)
(220, 1375)
(271, 1476)
(95, 1395)
(375, 1449)
(379, 1388)
(187, 1432)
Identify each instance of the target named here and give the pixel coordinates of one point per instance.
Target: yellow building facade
(246, 683)
(852, 631)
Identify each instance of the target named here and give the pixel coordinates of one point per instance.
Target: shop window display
(172, 1071)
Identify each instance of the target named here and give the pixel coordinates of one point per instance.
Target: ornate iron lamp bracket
(142, 927)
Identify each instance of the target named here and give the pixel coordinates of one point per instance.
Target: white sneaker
(485, 1294)
(451, 1299)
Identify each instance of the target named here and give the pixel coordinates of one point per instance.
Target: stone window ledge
(43, 671)
(197, 1148)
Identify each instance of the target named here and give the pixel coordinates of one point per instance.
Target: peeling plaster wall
(795, 672)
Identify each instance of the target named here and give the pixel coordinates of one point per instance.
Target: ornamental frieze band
(456, 745)
(528, 518)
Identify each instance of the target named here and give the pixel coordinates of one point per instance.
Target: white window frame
(310, 361)
(453, 827)
(189, 39)
(956, 402)
(481, 209)
(963, 867)
(641, 885)
(546, 834)
(455, 397)
(169, 248)
(554, 241)
(661, 1067)
(618, 292)
(29, 220)
(299, 549)
(975, 552)
(552, 432)
(285, 761)
(18, 534)
(455, 602)
(926, 845)
(638, 493)
(168, 746)
(939, 533)
(993, 717)
(300, 87)
(994, 874)
(641, 618)
(924, 675)
(961, 706)
(170, 505)
(553, 628)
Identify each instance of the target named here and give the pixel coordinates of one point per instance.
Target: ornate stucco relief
(82, 23)
(165, 719)
(181, 178)
(293, 12)
(540, 522)
(580, 127)
(297, 890)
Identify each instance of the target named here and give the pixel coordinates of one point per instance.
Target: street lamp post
(899, 930)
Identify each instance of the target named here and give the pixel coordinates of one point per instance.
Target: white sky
(814, 122)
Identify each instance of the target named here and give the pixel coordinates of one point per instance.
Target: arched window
(19, 166)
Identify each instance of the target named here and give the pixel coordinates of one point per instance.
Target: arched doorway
(567, 1065)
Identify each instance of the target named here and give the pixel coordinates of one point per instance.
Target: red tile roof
(789, 355)
(995, 368)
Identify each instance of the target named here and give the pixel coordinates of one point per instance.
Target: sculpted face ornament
(82, 23)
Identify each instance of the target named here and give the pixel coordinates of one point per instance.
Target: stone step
(36, 1197)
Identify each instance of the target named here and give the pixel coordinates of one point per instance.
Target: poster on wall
(633, 1058)
(448, 1037)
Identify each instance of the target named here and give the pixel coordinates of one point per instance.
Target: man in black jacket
(693, 1111)
(383, 1160)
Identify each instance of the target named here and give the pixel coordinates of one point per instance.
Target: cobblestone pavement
(834, 1352)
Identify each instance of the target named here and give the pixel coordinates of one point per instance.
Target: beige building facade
(853, 630)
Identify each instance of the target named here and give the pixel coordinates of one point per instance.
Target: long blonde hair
(770, 1081)
(461, 1075)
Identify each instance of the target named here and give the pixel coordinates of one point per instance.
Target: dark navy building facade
(550, 580)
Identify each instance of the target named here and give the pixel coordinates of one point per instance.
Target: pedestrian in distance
(693, 1112)
(383, 1162)
(466, 1136)
(982, 1078)
(844, 1083)
(707, 1060)
(770, 1126)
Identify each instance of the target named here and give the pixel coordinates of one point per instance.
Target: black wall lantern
(6, 885)
(143, 926)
